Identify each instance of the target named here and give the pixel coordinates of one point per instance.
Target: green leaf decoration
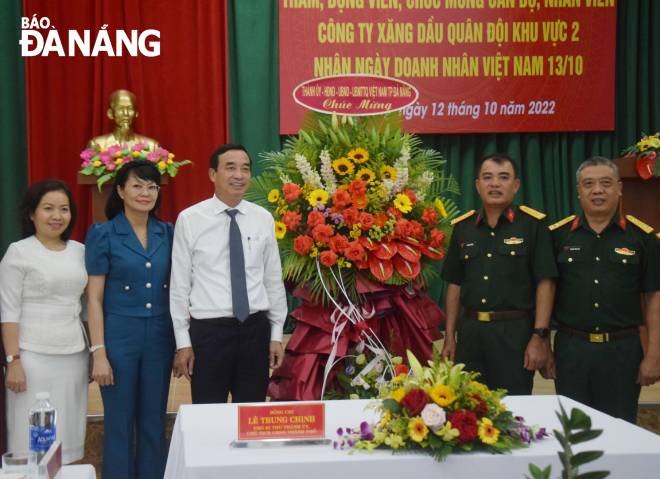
(392, 406)
(579, 420)
(584, 457)
(593, 475)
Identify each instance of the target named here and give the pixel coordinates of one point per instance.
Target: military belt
(599, 336)
(487, 316)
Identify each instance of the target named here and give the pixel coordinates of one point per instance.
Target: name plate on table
(281, 425)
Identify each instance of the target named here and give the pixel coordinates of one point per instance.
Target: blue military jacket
(136, 280)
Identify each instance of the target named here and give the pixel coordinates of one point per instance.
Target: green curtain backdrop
(13, 155)
(548, 160)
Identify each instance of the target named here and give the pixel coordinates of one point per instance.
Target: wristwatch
(541, 332)
(12, 357)
(96, 347)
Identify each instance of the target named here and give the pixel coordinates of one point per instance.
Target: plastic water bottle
(42, 417)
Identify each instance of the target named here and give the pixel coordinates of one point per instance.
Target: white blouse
(42, 291)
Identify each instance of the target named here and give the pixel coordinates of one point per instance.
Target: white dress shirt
(41, 290)
(200, 284)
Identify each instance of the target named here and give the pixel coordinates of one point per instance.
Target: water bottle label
(41, 438)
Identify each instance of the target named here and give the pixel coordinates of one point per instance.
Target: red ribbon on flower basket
(401, 316)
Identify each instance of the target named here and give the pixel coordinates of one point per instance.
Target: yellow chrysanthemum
(365, 174)
(402, 203)
(97, 163)
(135, 154)
(417, 430)
(358, 155)
(388, 172)
(385, 419)
(440, 207)
(162, 165)
(119, 161)
(273, 196)
(343, 166)
(318, 196)
(280, 229)
(488, 433)
(480, 388)
(394, 441)
(442, 395)
(398, 394)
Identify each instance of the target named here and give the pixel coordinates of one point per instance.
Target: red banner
(478, 65)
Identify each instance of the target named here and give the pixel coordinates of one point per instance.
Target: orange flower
(322, 233)
(437, 237)
(338, 243)
(354, 251)
(351, 216)
(381, 219)
(341, 199)
(291, 219)
(429, 216)
(315, 218)
(360, 201)
(366, 220)
(358, 187)
(328, 258)
(302, 244)
(291, 192)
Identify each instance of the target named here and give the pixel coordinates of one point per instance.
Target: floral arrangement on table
(362, 215)
(361, 196)
(440, 409)
(646, 153)
(105, 162)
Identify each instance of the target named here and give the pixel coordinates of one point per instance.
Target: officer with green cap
(500, 270)
(608, 266)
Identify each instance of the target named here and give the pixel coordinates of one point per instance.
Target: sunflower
(358, 155)
(318, 196)
(366, 175)
(388, 172)
(402, 203)
(273, 196)
(280, 229)
(417, 430)
(488, 433)
(440, 207)
(343, 166)
(442, 395)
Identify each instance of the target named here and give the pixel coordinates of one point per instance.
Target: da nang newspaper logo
(39, 37)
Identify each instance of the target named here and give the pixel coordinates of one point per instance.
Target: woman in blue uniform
(128, 263)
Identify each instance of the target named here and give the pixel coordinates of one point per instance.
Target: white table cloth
(78, 471)
(202, 433)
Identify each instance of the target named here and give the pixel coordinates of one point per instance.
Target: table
(78, 471)
(202, 433)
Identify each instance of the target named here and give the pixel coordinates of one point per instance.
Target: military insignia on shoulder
(640, 224)
(464, 216)
(561, 223)
(532, 212)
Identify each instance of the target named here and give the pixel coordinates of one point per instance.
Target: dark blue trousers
(140, 351)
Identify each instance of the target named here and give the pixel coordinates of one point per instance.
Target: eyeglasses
(151, 189)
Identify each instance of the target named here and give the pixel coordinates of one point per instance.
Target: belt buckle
(483, 316)
(599, 337)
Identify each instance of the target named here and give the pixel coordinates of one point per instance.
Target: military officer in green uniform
(607, 264)
(500, 270)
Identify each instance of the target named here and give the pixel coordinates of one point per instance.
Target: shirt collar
(509, 214)
(616, 221)
(220, 206)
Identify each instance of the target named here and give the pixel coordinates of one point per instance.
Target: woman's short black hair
(31, 201)
(145, 170)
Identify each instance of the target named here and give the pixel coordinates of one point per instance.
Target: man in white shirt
(227, 297)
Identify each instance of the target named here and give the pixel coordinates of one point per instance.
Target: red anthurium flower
(407, 269)
(433, 253)
(409, 252)
(382, 269)
(385, 250)
(368, 243)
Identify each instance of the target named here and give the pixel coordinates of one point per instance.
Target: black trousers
(230, 357)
